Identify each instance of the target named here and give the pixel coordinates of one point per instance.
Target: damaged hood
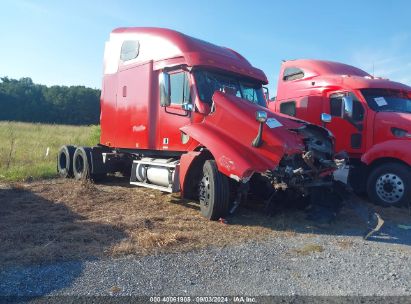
(228, 133)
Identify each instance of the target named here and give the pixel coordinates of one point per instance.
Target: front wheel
(214, 192)
(390, 185)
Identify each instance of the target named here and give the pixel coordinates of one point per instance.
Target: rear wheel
(390, 185)
(81, 163)
(65, 161)
(214, 192)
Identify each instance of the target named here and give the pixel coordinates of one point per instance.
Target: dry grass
(58, 219)
(309, 248)
(64, 219)
(345, 244)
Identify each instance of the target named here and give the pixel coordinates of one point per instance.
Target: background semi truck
(180, 114)
(370, 118)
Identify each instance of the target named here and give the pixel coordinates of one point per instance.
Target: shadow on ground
(350, 221)
(290, 216)
(34, 230)
(47, 228)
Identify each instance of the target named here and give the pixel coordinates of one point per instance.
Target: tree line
(23, 100)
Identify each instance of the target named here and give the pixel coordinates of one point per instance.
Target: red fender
(185, 165)
(395, 148)
(233, 158)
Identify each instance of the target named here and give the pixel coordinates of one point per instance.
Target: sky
(62, 42)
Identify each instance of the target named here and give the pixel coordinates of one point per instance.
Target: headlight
(397, 132)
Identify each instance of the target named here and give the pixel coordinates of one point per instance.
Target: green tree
(23, 100)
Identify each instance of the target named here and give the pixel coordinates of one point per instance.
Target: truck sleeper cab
(370, 118)
(180, 114)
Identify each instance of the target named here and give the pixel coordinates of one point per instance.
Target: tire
(81, 163)
(214, 192)
(65, 161)
(390, 185)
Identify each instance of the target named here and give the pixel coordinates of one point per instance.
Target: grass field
(24, 146)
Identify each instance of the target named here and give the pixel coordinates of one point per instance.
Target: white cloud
(390, 59)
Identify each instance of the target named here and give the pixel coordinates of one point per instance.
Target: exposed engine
(312, 168)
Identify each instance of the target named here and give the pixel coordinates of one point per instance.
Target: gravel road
(299, 265)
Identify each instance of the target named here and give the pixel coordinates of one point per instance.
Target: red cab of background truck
(180, 114)
(370, 118)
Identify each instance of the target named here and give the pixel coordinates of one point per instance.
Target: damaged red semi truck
(180, 114)
(370, 118)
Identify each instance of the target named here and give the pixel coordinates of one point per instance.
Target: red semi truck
(180, 114)
(370, 118)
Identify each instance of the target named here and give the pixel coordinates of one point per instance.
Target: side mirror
(266, 94)
(325, 117)
(347, 104)
(165, 89)
(261, 116)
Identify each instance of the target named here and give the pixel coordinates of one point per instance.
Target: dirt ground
(59, 219)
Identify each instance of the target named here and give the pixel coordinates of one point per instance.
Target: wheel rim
(79, 164)
(204, 191)
(390, 188)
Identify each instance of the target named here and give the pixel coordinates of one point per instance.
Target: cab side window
(288, 108)
(129, 50)
(180, 88)
(293, 74)
(358, 111)
(336, 105)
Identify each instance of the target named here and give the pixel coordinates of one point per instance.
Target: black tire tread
(221, 201)
(87, 162)
(69, 151)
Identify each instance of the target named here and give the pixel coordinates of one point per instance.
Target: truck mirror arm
(261, 117)
(348, 112)
(165, 89)
(258, 141)
(266, 94)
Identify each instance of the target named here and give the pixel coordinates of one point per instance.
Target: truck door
(132, 107)
(348, 131)
(175, 116)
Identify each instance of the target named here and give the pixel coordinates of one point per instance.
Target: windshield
(209, 82)
(388, 100)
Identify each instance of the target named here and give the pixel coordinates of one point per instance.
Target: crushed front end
(313, 167)
(308, 176)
